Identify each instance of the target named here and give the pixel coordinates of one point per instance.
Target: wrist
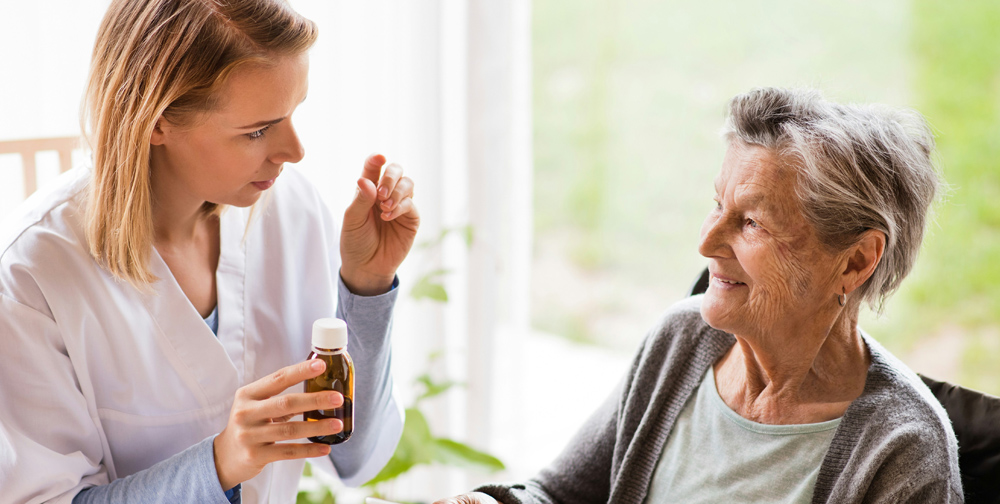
(363, 284)
(224, 480)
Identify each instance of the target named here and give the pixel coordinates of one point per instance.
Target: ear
(160, 129)
(862, 259)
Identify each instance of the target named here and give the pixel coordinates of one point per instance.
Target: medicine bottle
(329, 340)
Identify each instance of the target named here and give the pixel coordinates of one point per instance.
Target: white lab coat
(99, 380)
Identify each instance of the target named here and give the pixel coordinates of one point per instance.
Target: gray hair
(859, 167)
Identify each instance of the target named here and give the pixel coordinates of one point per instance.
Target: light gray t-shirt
(715, 455)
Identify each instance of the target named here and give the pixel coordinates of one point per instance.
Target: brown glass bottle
(330, 345)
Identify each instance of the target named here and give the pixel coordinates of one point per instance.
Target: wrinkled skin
(799, 357)
(758, 236)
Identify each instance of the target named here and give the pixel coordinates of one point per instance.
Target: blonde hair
(170, 59)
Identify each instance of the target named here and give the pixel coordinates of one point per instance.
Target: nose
(713, 236)
(288, 148)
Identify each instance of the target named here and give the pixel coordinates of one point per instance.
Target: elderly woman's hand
(469, 498)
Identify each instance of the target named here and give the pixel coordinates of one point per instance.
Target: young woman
(155, 308)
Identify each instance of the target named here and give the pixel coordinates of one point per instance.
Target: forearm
(377, 419)
(188, 476)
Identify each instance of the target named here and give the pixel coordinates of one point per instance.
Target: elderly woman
(764, 389)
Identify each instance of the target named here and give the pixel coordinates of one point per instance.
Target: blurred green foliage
(418, 446)
(957, 86)
(629, 96)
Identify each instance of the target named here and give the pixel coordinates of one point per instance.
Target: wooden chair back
(28, 148)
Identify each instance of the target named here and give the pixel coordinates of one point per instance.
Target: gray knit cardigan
(894, 443)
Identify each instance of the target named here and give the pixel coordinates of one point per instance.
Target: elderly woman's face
(768, 268)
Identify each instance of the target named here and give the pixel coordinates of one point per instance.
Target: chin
(243, 200)
(715, 313)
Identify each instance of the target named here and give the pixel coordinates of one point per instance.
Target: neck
(798, 374)
(177, 215)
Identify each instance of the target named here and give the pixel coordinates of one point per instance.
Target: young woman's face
(233, 153)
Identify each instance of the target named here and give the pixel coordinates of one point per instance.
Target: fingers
(387, 184)
(402, 190)
(404, 207)
(276, 382)
(288, 405)
(359, 211)
(288, 431)
(469, 498)
(289, 451)
(373, 167)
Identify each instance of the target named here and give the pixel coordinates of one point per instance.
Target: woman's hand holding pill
(260, 418)
(379, 228)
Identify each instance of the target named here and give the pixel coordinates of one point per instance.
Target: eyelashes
(254, 135)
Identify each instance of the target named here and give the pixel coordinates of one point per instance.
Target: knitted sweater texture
(894, 443)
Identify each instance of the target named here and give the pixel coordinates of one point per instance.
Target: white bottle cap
(329, 333)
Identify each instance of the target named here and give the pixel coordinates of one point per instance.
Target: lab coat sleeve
(50, 446)
(378, 419)
(49, 443)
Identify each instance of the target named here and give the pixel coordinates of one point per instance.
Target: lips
(263, 185)
(726, 281)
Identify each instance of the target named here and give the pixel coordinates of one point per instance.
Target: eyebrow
(261, 124)
(758, 201)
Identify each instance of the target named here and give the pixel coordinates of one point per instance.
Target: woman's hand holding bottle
(260, 418)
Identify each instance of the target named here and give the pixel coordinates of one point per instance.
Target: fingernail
(388, 203)
(316, 365)
(383, 191)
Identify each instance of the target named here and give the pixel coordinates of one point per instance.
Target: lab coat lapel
(230, 279)
(211, 365)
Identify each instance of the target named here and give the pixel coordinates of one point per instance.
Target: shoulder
(42, 238)
(899, 398)
(898, 427)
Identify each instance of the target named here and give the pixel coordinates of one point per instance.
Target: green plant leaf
(432, 291)
(432, 388)
(391, 471)
(433, 242)
(427, 287)
(469, 233)
(416, 446)
(466, 231)
(453, 453)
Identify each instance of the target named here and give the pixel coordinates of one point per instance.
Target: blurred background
(564, 152)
